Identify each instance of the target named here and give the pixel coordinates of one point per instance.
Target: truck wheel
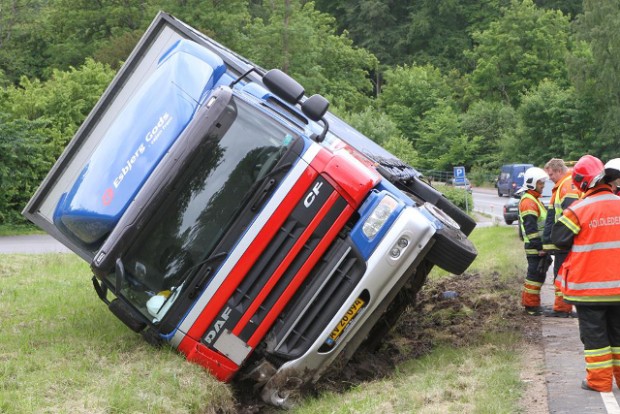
(421, 190)
(465, 222)
(452, 250)
(499, 193)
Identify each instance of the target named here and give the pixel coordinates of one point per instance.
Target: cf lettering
(312, 194)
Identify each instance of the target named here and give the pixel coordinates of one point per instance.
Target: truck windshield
(200, 209)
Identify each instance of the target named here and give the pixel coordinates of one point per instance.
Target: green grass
(62, 351)
(478, 379)
(500, 252)
(19, 229)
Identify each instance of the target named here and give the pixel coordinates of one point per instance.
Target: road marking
(611, 405)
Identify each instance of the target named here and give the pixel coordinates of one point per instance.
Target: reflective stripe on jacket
(530, 209)
(590, 273)
(563, 195)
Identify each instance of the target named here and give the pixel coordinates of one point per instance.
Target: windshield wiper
(195, 286)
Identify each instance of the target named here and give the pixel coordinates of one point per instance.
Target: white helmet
(532, 176)
(612, 170)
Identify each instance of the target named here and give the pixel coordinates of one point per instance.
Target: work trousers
(536, 274)
(599, 329)
(559, 305)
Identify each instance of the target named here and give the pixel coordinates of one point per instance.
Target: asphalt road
(488, 202)
(35, 243)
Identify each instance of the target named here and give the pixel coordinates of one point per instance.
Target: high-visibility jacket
(532, 216)
(563, 194)
(590, 273)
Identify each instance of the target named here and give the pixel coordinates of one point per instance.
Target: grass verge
(61, 351)
(19, 229)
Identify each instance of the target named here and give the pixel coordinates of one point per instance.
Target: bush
(461, 198)
(25, 159)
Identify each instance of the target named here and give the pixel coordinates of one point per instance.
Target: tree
(377, 25)
(440, 144)
(76, 29)
(63, 101)
(224, 21)
(24, 162)
(553, 123)
(486, 124)
(375, 125)
(22, 43)
(570, 8)
(595, 70)
(302, 42)
(518, 51)
(409, 93)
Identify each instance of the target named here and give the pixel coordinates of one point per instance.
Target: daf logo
(312, 194)
(217, 326)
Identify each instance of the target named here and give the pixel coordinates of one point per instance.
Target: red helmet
(587, 172)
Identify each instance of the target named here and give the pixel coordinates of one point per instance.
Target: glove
(543, 264)
(536, 244)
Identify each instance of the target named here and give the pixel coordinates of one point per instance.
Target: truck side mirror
(283, 86)
(315, 107)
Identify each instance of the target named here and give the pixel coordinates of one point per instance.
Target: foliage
(77, 29)
(598, 78)
(474, 83)
(518, 51)
(24, 162)
(225, 21)
(552, 124)
(65, 100)
(301, 41)
(374, 124)
(409, 93)
(487, 124)
(403, 149)
(440, 139)
(461, 198)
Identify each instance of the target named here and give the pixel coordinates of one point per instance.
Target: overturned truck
(225, 213)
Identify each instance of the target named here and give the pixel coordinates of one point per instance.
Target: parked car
(511, 208)
(228, 215)
(463, 184)
(511, 178)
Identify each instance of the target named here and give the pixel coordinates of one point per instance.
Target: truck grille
(327, 287)
(286, 262)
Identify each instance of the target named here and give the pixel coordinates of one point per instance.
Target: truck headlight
(379, 216)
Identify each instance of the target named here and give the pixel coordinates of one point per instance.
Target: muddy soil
(454, 310)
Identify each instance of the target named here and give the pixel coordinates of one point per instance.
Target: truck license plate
(347, 318)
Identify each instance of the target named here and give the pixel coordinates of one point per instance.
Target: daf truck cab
(227, 214)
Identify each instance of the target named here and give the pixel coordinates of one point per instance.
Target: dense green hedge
(459, 197)
(25, 158)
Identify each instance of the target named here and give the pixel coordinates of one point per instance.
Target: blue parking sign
(459, 175)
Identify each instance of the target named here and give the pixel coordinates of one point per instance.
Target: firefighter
(589, 277)
(612, 174)
(532, 215)
(563, 194)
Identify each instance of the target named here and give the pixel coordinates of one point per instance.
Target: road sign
(459, 175)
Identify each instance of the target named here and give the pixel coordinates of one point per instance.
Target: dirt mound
(455, 310)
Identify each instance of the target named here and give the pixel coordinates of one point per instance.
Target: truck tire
(465, 222)
(429, 194)
(452, 250)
